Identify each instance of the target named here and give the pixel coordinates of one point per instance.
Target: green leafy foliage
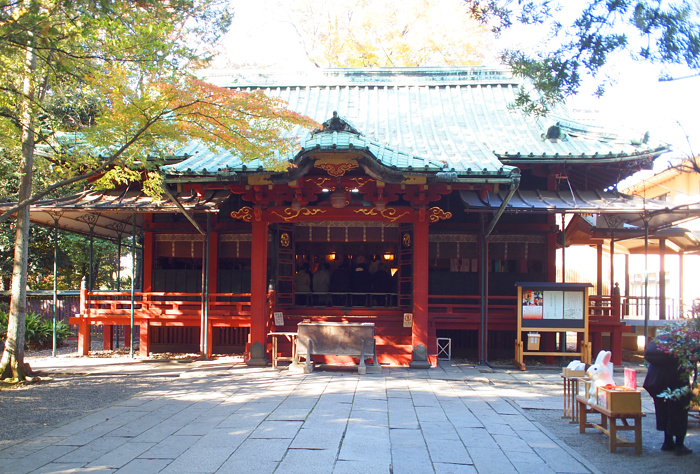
(682, 340)
(115, 91)
(105, 90)
(652, 31)
(73, 261)
(38, 331)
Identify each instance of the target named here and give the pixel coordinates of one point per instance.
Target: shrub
(38, 332)
(3, 324)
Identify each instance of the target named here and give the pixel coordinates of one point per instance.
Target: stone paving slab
(231, 418)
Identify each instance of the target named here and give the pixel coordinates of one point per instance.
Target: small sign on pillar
(408, 320)
(279, 318)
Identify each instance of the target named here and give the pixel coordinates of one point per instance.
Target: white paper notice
(553, 305)
(573, 305)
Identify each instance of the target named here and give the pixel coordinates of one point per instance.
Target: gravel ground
(61, 397)
(594, 446)
(28, 409)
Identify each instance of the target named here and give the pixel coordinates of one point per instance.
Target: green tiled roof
(455, 120)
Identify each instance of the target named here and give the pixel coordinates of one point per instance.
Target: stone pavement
(227, 417)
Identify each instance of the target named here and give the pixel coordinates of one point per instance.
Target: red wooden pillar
(213, 262)
(144, 338)
(420, 288)
(551, 259)
(616, 345)
(616, 303)
(142, 330)
(596, 339)
(599, 269)
(258, 294)
(210, 246)
(148, 243)
(213, 281)
(84, 325)
(107, 333)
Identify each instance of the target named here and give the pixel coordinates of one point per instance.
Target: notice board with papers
(552, 307)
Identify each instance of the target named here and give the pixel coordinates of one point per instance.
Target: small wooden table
(290, 336)
(608, 424)
(570, 393)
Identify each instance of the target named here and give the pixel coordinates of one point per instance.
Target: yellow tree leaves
(386, 33)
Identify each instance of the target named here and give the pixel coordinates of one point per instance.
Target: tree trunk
(12, 365)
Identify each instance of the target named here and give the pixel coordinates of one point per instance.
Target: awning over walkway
(111, 213)
(611, 210)
(630, 239)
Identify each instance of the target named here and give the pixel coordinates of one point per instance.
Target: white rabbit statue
(600, 373)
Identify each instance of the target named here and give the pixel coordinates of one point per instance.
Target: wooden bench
(608, 424)
(331, 338)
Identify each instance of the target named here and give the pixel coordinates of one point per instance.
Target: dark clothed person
(321, 284)
(671, 414)
(360, 283)
(340, 283)
(302, 285)
(382, 284)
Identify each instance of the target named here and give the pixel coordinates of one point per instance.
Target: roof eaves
(583, 158)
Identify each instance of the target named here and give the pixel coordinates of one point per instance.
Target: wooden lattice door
(285, 264)
(405, 288)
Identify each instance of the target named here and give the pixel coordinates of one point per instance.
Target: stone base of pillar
(420, 358)
(257, 356)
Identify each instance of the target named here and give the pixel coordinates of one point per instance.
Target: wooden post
(599, 269)
(144, 338)
(84, 325)
(148, 243)
(616, 303)
(420, 289)
(212, 285)
(662, 279)
(258, 293)
(107, 333)
(84, 337)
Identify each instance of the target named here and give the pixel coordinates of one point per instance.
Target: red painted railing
(460, 307)
(154, 304)
(605, 307)
(467, 308)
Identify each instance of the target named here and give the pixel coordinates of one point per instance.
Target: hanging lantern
(338, 200)
(380, 204)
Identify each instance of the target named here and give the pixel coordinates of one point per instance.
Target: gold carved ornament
(436, 214)
(360, 182)
(245, 214)
(336, 169)
(290, 214)
(285, 240)
(390, 213)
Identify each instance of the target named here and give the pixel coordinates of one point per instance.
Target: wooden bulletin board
(552, 307)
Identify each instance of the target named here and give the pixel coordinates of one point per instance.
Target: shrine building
(417, 206)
